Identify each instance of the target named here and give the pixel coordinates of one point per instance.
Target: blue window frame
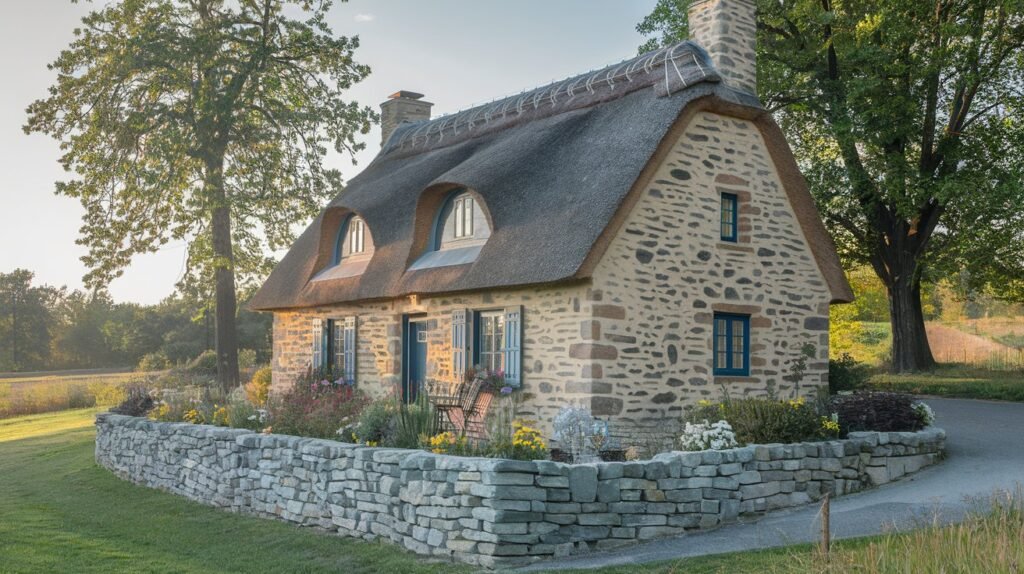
(731, 346)
(730, 217)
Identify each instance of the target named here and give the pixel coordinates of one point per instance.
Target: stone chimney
(727, 29)
(402, 106)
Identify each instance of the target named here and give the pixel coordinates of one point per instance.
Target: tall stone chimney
(727, 29)
(402, 106)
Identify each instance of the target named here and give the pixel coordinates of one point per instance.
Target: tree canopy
(206, 121)
(905, 117)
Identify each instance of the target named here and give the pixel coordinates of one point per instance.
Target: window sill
(719, 379)
(732, 246)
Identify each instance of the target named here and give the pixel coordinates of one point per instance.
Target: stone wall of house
(667, 271)
(555, 370)
(492, 512)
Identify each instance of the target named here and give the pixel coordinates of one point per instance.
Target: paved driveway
(985, 448)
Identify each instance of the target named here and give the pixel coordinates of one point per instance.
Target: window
(730, 217)
(462, 211)
(495, 343)
(353, 249)
(334, 347)
(352, 240)
(460, 230)
(491, 340)
(357, 230)
(731, 344)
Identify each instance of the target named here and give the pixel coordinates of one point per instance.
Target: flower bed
(494, 512)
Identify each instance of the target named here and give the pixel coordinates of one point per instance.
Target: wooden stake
(826, 535)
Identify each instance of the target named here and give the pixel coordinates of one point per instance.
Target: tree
(206, 121)
(905, 118)
(25, 321)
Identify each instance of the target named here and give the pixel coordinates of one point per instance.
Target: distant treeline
(49, 328)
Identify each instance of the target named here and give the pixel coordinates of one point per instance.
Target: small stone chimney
(402, 106)
(727, 29)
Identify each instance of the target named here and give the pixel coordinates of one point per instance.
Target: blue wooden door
(416, 354)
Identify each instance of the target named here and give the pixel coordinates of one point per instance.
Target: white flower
(706, 435)
(924, 413)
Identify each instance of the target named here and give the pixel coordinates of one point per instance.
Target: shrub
(172, 406)
(706, 435)
(258, 389)
(846, 374)
(764, 421)
(316, 407)
(414, 423)
(205, 364)
(573, 428)
(246, 359)
(137, 402)
(376, 422)
(877, 411)
(156, 361)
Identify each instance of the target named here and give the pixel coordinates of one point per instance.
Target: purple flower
(506, 390)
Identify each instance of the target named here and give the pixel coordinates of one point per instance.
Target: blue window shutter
(318, 338)
(460, 337)
(349, 352)
(514, 346)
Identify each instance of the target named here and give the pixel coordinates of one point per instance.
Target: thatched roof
(552, 166)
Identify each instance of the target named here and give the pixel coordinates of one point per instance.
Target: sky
(456, 52)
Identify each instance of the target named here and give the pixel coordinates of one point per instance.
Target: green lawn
(62, 513)
(958, 381)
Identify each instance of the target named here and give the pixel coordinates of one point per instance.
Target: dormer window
(353, 249)
(356, 235)
(462, 213)
(461, 228)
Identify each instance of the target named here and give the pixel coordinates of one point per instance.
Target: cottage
(631, 240)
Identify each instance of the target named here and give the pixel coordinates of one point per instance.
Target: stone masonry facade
(668, 271)
(553, 370)
(489, 512)
(634, 343)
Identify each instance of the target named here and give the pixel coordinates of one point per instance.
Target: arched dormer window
(460, 230)
(353, 249)
(351, 242)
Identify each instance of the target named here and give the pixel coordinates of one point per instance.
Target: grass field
(62, 513)
(958, 381)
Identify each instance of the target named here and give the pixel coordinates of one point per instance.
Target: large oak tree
(206, 121)
(905, 118)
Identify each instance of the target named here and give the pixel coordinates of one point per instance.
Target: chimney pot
(727, 29)
(402, 106)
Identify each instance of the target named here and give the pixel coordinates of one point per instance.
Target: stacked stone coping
(494, 512)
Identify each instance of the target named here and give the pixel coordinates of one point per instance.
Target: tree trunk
(226, 333)
(910, 349)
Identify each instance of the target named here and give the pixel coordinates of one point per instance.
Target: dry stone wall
(489, 512)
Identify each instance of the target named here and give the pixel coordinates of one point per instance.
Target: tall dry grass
(991, 542)
(33, 395)
(955, 345)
